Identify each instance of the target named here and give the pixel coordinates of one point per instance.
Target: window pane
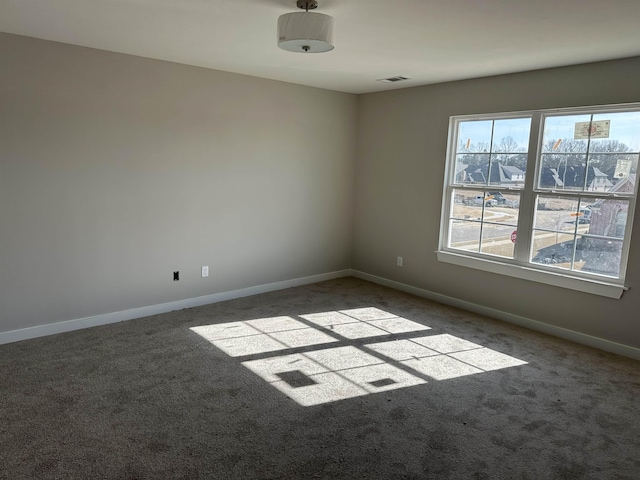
(498, 214)
(623, 136)
(500, 223)
(511, 135)
(606, 217)
(599, 255)
(507, 170)
(474, 136)
(470, 202)
(556, 214)
(504, 208)
(472, 168)
(465, 235)
(466, 219)
(496, 240)
(606, 170)
(499, 247)
(467, 204)
(508, 199)
(559, 134)
(562, 171)
(553, 249)
(598, 180)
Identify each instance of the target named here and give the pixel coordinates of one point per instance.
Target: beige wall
(117, 170)
(400, 172)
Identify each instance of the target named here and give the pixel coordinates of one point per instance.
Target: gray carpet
(366, 393)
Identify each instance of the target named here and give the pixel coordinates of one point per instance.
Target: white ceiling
(429, 41)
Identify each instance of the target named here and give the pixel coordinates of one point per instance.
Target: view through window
(550, 190)
(329, 356)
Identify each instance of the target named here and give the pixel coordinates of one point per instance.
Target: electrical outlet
(205, 271)
(176, 276)
(399, 261)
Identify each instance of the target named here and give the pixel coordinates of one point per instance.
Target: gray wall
(117, 170)
(400, 171)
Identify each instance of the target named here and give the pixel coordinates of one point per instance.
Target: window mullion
(527, 199)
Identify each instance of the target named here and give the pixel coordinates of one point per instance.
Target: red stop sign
(514, 235)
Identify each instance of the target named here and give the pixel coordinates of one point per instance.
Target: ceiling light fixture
(305, 32)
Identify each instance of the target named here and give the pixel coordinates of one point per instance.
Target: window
(546, 195)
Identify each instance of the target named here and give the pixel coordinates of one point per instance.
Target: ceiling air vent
(392, 79)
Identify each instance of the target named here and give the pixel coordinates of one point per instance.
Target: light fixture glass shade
(305, 32)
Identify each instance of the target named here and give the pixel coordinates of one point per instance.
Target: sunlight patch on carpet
(368, 358)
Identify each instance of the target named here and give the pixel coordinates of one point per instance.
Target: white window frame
(520, 266)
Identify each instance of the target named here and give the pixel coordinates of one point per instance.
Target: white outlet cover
(205, 271)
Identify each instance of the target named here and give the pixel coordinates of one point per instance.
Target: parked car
(488, 201)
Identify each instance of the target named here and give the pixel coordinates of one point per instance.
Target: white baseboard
(571, 335)
(114, 317)
(79, 323)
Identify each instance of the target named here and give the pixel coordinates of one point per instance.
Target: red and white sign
(514, 234)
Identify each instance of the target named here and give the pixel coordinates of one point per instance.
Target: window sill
(595, 287)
